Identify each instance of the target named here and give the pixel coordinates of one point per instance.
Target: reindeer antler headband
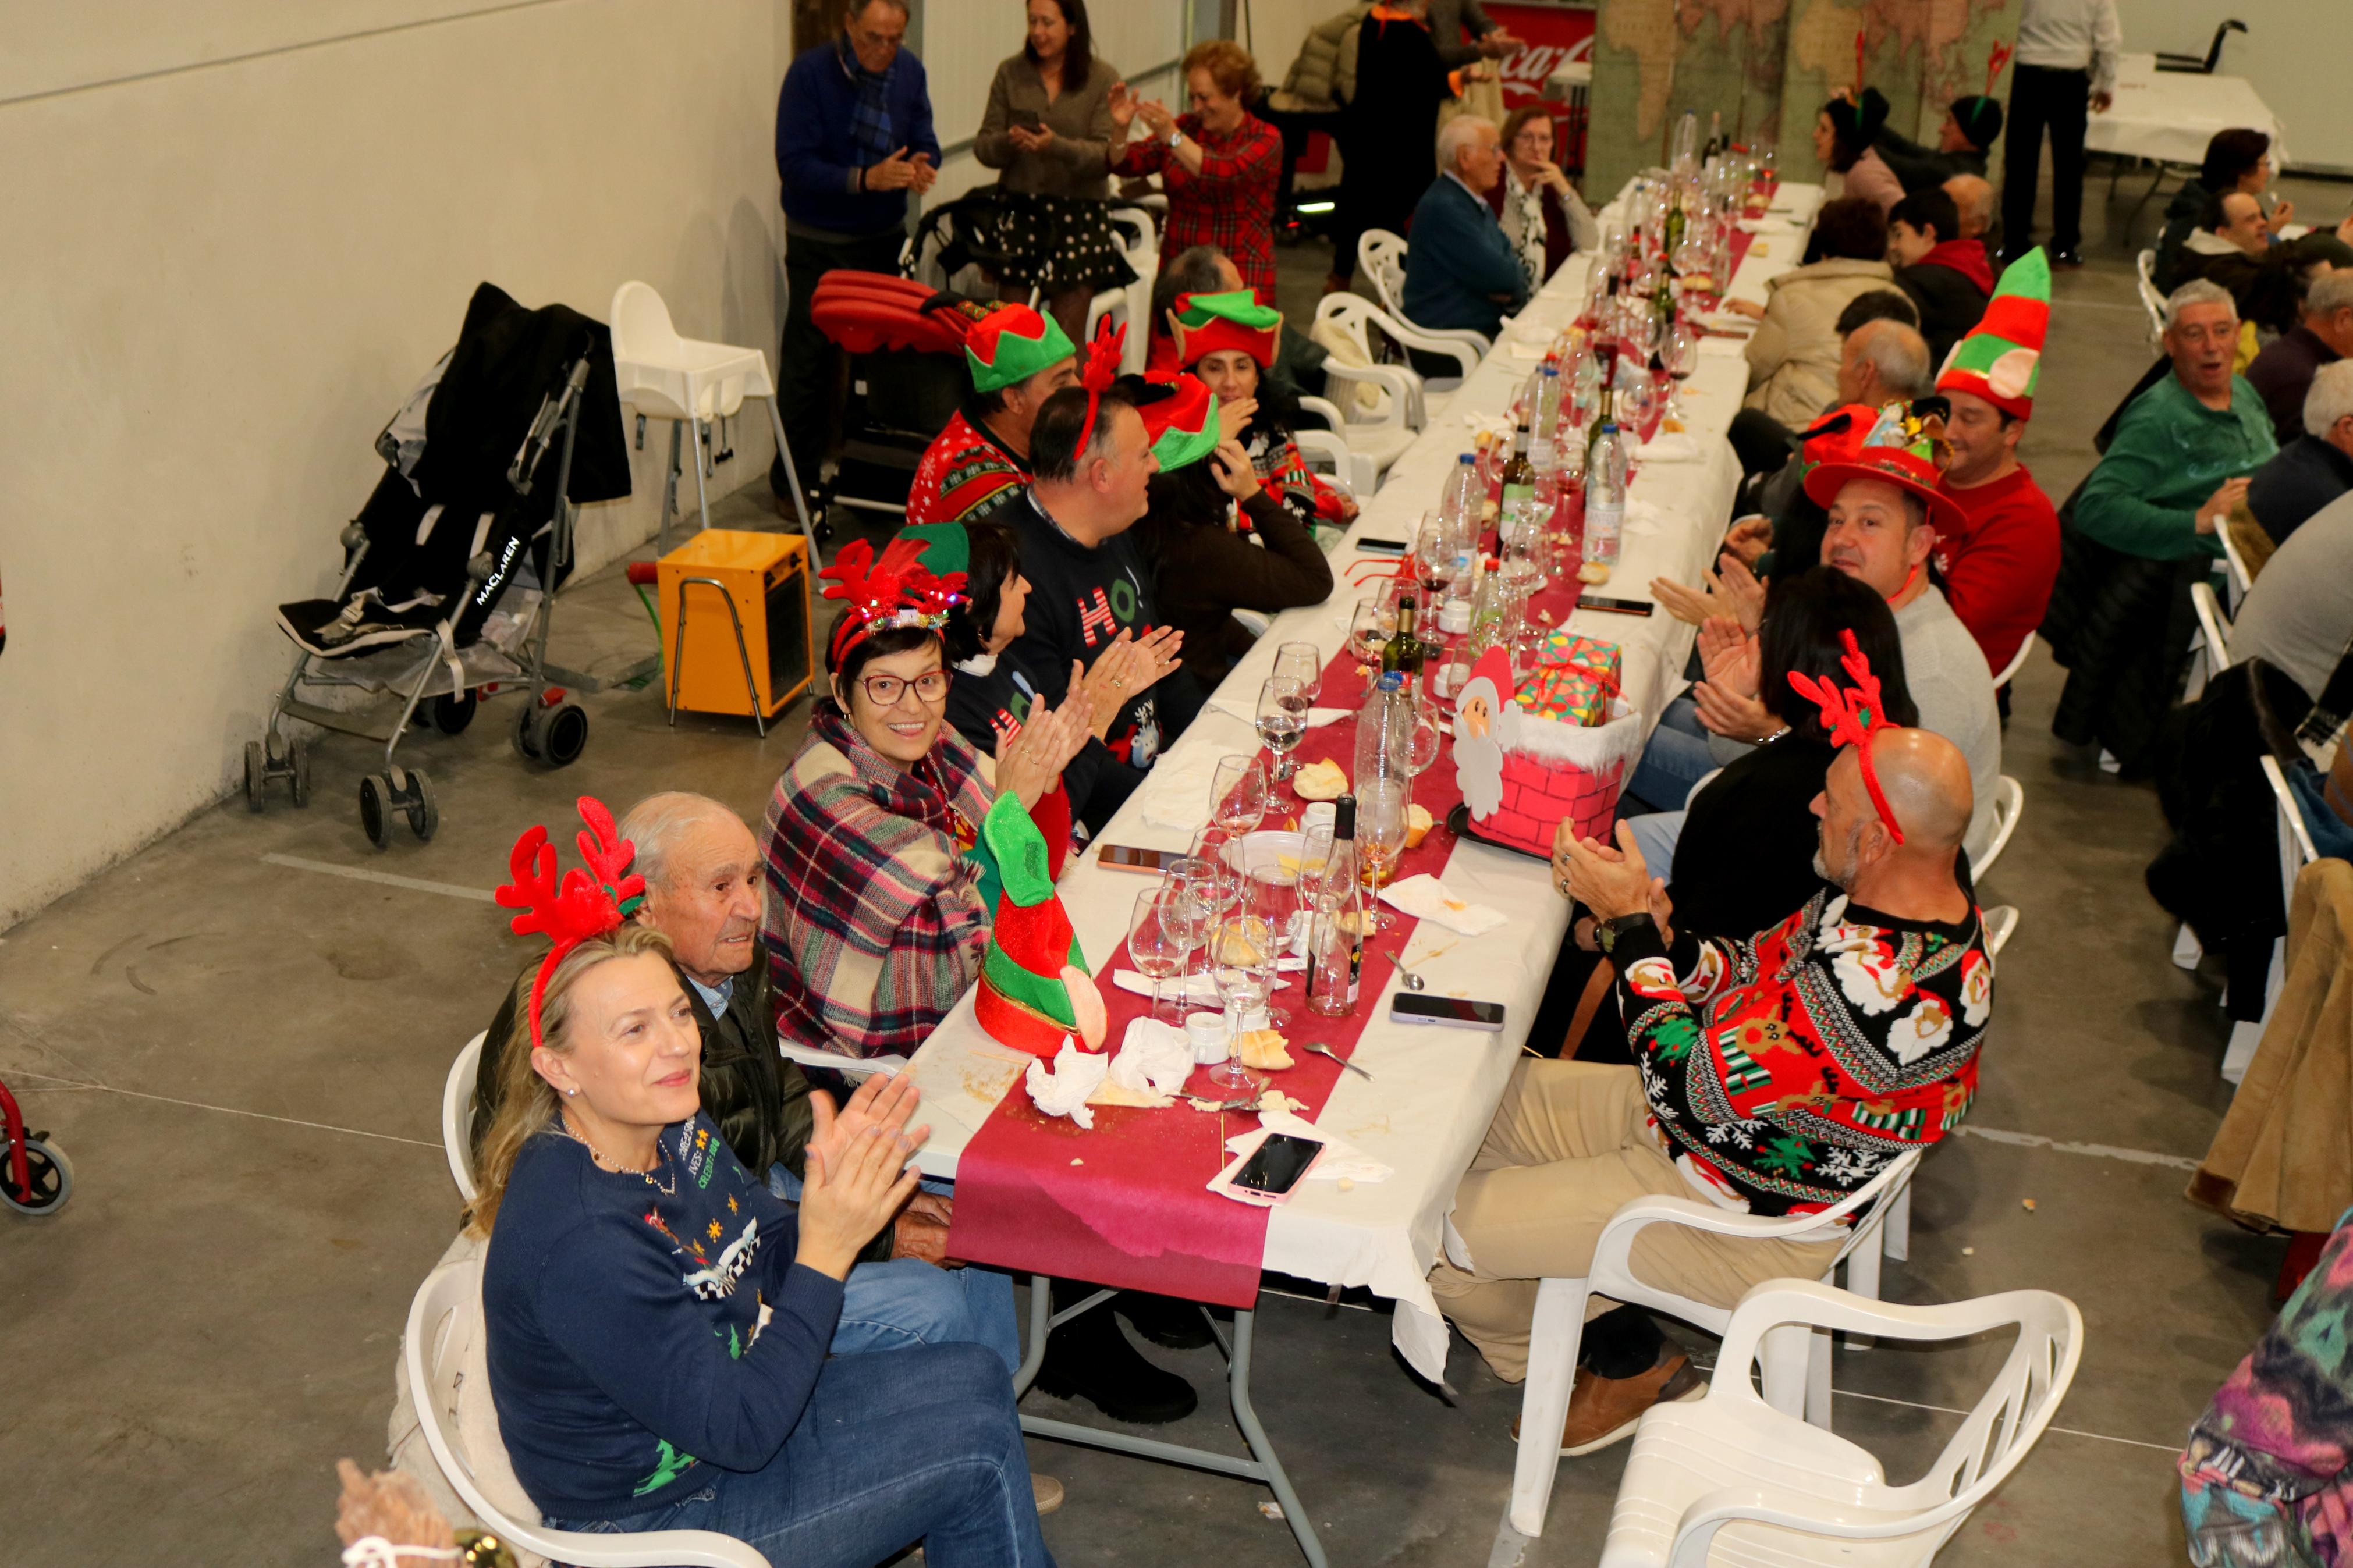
(892, 590)
(582, 905)
(1102, 368)
(1997, 56)
(1850, 717)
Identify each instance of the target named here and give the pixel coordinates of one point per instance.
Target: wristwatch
(1176, 140)
(1607, 932)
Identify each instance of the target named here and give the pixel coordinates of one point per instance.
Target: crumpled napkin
(1341, 1159)
(1425, 897)
(1152, 1056)
(1064, 1091)
(1177, 797)
(1768, 223)
(1668, 447)
(1644, 517)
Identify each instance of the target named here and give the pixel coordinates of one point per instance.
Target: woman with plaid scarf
(877, 917)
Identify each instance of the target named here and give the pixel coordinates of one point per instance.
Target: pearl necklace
(596, 1158)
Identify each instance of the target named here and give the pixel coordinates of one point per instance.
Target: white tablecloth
(2170, 115)
(1426, 1108)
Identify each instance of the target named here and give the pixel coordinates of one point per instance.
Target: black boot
(1164, 1319)
(1089, 1358)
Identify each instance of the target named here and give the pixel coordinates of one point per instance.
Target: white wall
(2294, 51)
(237, 231)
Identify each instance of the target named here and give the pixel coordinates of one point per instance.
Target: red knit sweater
(1999, 568)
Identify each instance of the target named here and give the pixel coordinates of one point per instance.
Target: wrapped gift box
(1574, 680)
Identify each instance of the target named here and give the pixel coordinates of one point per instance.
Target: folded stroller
(450, 568)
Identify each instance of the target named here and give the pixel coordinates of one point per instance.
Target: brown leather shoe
(1605, 1410)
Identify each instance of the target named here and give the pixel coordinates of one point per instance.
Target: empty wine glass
(1380, 840)
(1369, 630)
(1680, 354)
(1281, 721)
(1220, 855)
(1238, 794)
(1195, 901)
(1158, 940)
(1241, 964)
(1300, 662)
(1271, 892)
(1428, 729)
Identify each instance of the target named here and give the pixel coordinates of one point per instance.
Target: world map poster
(1769, 65)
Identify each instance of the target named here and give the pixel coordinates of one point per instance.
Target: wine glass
(1300, 662)
(1241, 963)
(1370, 628)
(1281, 721)
(1238, 794)
(1271, 892)
(1680, 354)
(1156, 939)
(1428, 729)
(1219, 853)
(1194, 902)
(1380, 840)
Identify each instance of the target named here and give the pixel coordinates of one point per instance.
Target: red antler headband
(579, 907)
(1850, 717)
(888, 591)
(1997, 56)
(1100, 370)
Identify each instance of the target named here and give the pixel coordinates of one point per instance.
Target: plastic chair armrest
(1706, 1514)
(1401, 382)
(1466, 347)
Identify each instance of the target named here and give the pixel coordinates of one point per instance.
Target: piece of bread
(1110, 1093)
(1321, 781)
(1417, 824)
(1275, 1100)
(1263, 1049)
(1594, 571)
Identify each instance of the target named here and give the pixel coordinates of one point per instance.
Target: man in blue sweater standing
(1460, 270)
(853, 138)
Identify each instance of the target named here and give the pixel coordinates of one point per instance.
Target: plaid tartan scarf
(870, 121)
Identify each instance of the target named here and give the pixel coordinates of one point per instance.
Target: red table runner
(1127, 1203)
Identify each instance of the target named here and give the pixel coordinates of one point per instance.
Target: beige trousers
(1568, 1149)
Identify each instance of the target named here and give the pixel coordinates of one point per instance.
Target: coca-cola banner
(1555, 34)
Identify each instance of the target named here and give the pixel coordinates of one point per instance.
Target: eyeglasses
(884, 691)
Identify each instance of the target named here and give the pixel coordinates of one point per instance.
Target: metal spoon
(1412, 981)
(1328, 1051)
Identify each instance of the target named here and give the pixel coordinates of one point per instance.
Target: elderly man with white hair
(2284, 372)
(1461, 271)
(2316, 466)
(703, 887)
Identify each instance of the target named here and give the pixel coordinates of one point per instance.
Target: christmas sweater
(1787, 1071)
(1081, 598)
(1275, 458)
(965, 475)
(642, 1327)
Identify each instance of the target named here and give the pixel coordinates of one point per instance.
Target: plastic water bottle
(1458, 501)
(1605, 495)
(1544, 419)
(1385, 733)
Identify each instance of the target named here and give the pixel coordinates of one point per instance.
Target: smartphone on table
(1447, 1012)
(1278, 1164)
(1128, 857)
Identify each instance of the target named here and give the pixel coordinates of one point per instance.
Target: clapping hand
(1157, 116)
(898, 173)
(856, 1176)
(1030, 762)
(1728, 654)
(922, 1230)
(1743, 594)
(1612, 882)
(1122, 104)
(1750, 537)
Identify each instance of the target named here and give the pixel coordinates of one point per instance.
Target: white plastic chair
(457, 1113)
(1372, 448)
(1350, 470)
(2296, 852)
(2145, 285)
(2209, 648)
(1355, 318)
(1381, 256)
(1139, 242)
(1797, 1366)
(2009, 672)
(1728, 1479)
(2001, 924)
(446, 1317)
(690, 383)
(2009, 799)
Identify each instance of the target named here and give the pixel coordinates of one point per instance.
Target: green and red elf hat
(583, 905)
(2001, 357)
(1012, 343)
(1182, 423)
(1902, 448)
(1035, 989)
(1209, 323)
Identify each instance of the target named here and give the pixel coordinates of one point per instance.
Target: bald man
(1973, 198)
(1774, 1076)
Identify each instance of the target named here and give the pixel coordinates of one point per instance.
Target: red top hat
(1903, 448)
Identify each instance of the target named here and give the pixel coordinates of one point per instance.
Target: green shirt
(2171, 452)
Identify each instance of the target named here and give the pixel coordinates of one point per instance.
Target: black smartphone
(1382, 546)
(1278, 1163)
(1028, 120)
(1615, 607)
(1449, 1011)
(1128, 857)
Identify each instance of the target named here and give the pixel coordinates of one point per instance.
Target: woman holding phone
(1049, 131)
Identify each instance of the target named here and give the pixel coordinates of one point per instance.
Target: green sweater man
(2176, 465)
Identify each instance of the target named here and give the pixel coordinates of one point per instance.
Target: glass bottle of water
(1605, 495)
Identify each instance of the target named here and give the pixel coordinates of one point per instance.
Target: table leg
(1264, 1468)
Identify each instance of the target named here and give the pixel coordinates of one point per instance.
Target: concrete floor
(244, 1054)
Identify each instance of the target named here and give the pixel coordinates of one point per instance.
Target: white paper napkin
(1645, 517)
(1425, 897)
(1530, 351)
(1063, 1092)
(1771, 223)
(1152, 1056)
(1341, 1159)
(1668, 447)
(1177, 797)
(1723, 348)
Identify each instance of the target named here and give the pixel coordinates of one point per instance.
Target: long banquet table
(1432, 1091)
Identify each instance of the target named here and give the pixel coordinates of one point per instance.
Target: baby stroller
(449, 570)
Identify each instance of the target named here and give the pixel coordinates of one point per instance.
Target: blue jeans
(891, 1306)
(1677, 758)
(920, 1446)
(1655, 835)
